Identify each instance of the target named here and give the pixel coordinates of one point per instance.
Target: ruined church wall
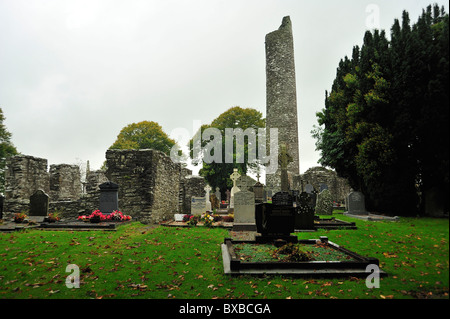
(148, 183)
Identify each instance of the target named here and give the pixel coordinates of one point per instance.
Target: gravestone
(215, 204)
(228, 194)
(276, 220)
(218, 195)
(309, 189)
(244, 205)
(304, 216)
(356, 204)
(258, 189)
(109, 198)
(208, 202)
(324, 203)
(38, 206)
(322, 187)
(234, 189)
(198, 205)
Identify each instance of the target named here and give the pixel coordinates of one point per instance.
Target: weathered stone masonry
(281, 98)
(151, 187)
(149, 183)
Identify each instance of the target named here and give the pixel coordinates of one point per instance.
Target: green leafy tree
(144, 135)
(385, 121)
(7, 149)
(217, 173)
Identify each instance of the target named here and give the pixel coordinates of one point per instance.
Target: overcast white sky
(73, 73)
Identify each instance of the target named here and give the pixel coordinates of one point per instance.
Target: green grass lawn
(138, 261)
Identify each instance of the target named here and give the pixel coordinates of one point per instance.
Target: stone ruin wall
(149, 183)
(23, 176)
(338, 186)
(192, 186)
(151, 187)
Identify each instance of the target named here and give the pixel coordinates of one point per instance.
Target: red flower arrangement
(114, 216)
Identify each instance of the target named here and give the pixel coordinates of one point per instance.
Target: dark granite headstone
(276, 220)
(304, 215)
(39, 203)
(109, 198)
(258, 189)
(309, 189)
(356, 204)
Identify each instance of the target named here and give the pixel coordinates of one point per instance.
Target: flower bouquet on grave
(96, 217)
(53, 217)
(193, 220)
(118, 216)
(83, 218)
(207, 220)
(19, 217)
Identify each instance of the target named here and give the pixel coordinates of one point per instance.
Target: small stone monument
(218, 195)
(198, 205)
(109, 198)
(228, 194)
(304, 215)
(309, 189)
(208, 202)
(235, 189)
(356, 204)
(258, 190)
(324, 203)
(38, 206)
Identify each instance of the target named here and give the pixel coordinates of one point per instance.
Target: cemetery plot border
(76, 225)
(333, 223)
(356, 267)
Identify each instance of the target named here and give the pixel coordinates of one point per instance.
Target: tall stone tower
(281, 98)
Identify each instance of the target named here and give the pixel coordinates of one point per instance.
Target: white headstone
(234, 189)
(198, 205)
(244, 202)
(208, 202)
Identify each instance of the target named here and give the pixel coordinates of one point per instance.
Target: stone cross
(283, 160)
(207, 190)
(235, 189)
(234, 177)
(244, 183)
(208, 202)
